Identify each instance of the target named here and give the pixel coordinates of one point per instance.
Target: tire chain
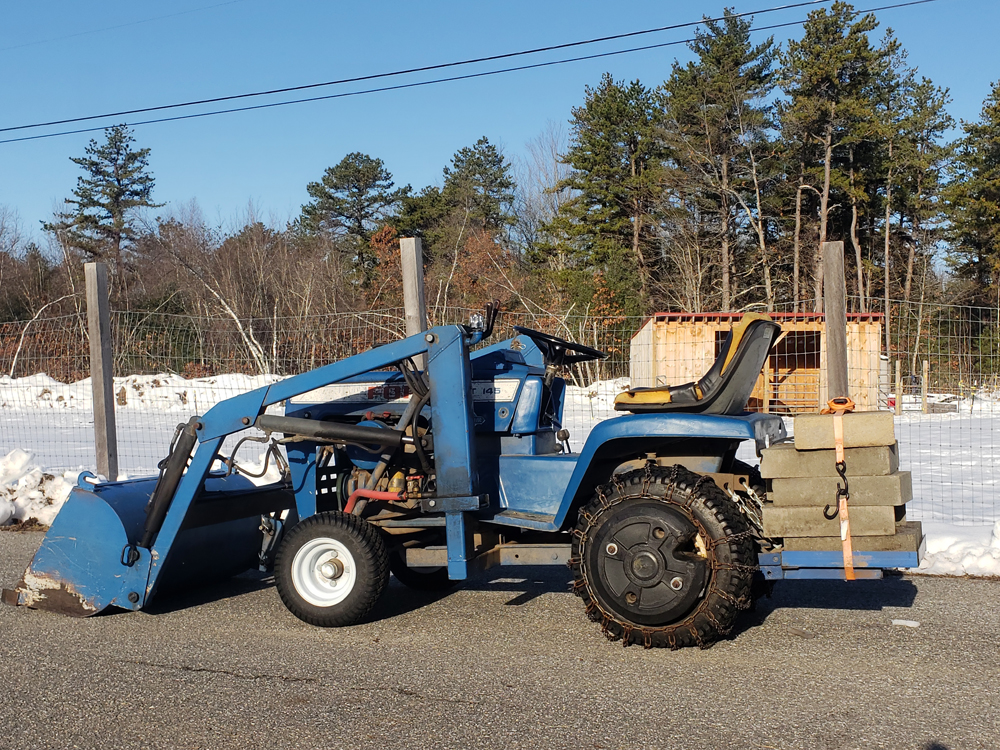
(608, 620)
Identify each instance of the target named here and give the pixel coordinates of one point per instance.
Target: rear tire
(331, 569)
(663, 558)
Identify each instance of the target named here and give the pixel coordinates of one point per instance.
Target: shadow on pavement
(175, 600)
(873, 596)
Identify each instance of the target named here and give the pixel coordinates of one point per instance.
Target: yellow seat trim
(738, 332)
(658, 395)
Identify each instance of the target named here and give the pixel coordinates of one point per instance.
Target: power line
(119, 26)
(416, 84)
(423, 69)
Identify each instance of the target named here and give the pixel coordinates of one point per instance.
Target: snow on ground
(46, 439)
(26, 492)
(954, 550)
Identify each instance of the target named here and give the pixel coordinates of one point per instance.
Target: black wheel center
(646, 565)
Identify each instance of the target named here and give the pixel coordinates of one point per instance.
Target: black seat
(726, 387)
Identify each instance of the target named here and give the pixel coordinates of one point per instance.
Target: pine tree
(615, 158)
(921, 181)
(829, 76)
(479, 178)
(350, 201)
(973, 199)
(718, 118)
(115, 185)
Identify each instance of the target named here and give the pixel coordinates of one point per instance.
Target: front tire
(662, 557)
(331, 569)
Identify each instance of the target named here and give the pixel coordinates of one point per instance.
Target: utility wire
(424, 69)
(119, 26)
(416, 84)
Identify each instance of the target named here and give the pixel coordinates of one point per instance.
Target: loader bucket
(90, 559)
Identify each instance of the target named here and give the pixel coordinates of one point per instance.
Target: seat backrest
(727, 386)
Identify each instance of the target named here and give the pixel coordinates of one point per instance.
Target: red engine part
(372, 495)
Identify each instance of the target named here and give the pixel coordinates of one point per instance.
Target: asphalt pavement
(509, 660)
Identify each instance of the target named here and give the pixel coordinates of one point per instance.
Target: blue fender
(620, 439)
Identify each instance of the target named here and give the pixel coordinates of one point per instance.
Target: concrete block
(861, 429)
(907, 538)
(895, 489)
(866, 520)
(782, 460)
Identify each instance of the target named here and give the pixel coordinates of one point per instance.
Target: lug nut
(631, 598)
(659, 533)
(612, 549)
(676, 584)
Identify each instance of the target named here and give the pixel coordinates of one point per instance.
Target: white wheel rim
(312, 567)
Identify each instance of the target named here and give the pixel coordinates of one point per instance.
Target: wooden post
(835, 293)
(899, 390)
(923, 386)
(412, 262)
(101, 374)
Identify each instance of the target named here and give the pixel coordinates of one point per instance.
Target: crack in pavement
(228, 673)
(414, 694)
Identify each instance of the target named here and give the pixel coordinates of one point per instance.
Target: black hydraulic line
(166, 485)
(332, 431)
(418, 444)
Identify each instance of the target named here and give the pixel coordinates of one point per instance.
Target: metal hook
(842, 492)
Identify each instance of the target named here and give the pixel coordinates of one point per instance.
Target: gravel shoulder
(509, 660)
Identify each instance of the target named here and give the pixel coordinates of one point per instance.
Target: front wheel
(661, 557)
(331, 569)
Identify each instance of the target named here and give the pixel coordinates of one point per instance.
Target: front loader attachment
(92, 558)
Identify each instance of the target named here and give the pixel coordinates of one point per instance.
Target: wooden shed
(675, 348)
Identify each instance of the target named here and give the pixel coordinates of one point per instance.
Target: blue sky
(62, 59)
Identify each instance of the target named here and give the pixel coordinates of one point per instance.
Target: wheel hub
(323, 572)
(332, 569)
(647, 562)
(646, 565)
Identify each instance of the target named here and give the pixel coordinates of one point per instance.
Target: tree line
(713, 190)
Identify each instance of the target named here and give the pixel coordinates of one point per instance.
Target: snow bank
(26, 492)
(961, 550)
(164, 392)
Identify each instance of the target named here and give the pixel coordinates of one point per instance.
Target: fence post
(101, 374)
(835, 306)
(899, 391)
(412, 262)
(923, 386)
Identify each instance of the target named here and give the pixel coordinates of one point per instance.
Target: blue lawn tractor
(433, 473)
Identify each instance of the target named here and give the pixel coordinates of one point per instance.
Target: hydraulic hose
(372, 495)
(166, 486)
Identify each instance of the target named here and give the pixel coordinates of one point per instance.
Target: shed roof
(782, 316)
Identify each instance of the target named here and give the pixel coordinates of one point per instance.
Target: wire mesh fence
(169, 367)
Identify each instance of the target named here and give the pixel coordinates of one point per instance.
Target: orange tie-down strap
(843, 494)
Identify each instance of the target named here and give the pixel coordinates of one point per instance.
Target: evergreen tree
(615, 158)
(115, 185)
(974, 202)
(350, 201)
(829, 77)
(717, 127)
(479, 178)
(352, 197)
(921, 180)
(477, 196)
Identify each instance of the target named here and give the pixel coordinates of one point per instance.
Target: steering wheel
(559, 352)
